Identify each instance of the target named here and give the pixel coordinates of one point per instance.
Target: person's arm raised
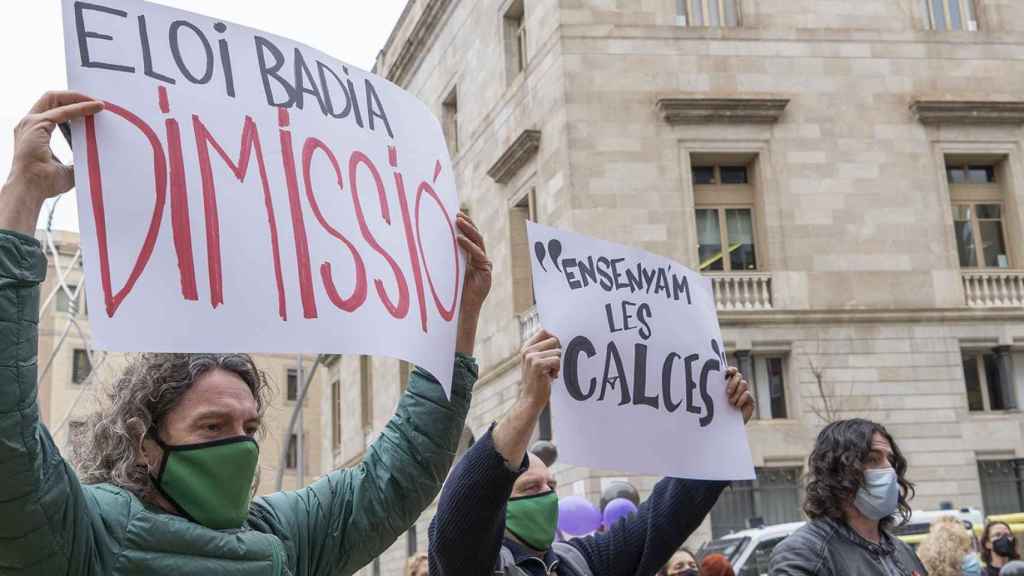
(466, 533)
(36, 174)
(342, 521)
(46, 519)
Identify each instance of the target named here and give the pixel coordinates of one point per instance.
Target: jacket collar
(523, 556)
(884, 546)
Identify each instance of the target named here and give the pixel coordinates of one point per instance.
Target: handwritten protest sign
(244, 192)
(642, 386)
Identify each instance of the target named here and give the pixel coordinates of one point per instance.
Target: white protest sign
(244, 192)
(642, 386)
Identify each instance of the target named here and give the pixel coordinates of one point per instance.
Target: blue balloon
(616, 510)
(577, 516)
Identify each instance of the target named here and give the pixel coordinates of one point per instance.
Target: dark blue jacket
(467, 534)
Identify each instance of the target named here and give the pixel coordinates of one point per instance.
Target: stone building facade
(849, 173)
(69, 390)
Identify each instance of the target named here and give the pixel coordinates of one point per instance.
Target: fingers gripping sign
(738, 391)
(541, 365)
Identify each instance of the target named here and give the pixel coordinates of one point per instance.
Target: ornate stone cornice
(968, 112)
(417, 43)
(515, 156)
(690, 110)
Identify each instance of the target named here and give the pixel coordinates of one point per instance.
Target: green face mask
(209, 483)
(533, 519)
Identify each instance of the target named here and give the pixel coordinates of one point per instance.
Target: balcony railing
(529, 324)
(994, 288)
(742, 291)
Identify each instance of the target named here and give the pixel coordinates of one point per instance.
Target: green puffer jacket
(51, 525)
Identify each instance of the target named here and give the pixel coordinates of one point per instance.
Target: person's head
(209, 404)
(856, 467)
(682, 563)
(942, 552)
(532, 513)
(716, 565)
(998, 544)
(417, 565)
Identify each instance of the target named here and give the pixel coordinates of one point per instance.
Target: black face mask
(689, 572)
(1004, 546)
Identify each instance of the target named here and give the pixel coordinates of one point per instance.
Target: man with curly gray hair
(166, 473)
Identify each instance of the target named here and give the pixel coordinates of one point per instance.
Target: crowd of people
(164, 482)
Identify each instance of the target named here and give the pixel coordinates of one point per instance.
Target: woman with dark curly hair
(856, 490)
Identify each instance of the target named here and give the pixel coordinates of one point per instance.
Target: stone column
(745, 363)
(1004, 365)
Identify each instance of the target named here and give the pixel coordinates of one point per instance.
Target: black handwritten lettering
(709, 406)
(147, 54)
(666, 383)
(263, 47)
(571, 372)
(174, 37)
(640, 397)
(612, 356)
(84, 35)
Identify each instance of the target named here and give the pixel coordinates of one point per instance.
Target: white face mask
(879, 495)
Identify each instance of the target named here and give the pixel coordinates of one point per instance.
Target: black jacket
(825, 547)
(466, 536)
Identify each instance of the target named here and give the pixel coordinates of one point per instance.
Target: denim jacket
(826, 547)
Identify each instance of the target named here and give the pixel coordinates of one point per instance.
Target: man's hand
(541, 362)
(36, 174)
(477, 282)
(738, 391)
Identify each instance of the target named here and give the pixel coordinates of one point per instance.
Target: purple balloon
(616, 510)
(577, 516)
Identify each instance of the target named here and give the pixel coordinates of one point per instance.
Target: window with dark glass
(292, 384)
(1002, 485)
(772, 498)
(984, 384)
(292, 457)
(81, 367)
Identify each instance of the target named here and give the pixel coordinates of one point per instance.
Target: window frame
(450, 119)
(336, 435)
(966, 6)
(524, 201)
(973, 194)
(978, 355)
(514, 36)
(1018, 468)
(684, 9)
(77, 378)
(291, 457)
(723, 197)
(756, 493)
(366, 393)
